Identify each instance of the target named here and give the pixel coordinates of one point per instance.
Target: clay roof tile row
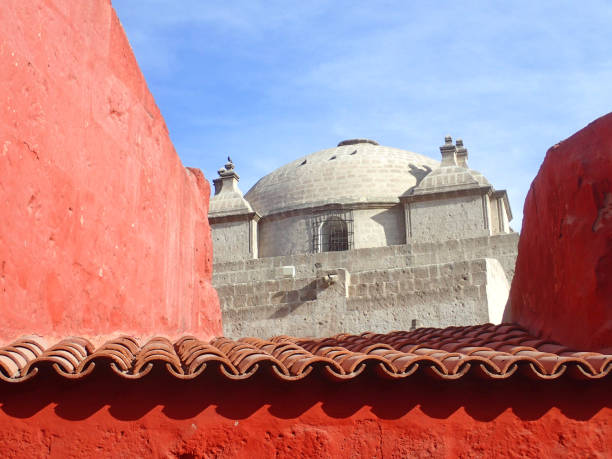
(488, 351)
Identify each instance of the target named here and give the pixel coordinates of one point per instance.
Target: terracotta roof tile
(486, 351)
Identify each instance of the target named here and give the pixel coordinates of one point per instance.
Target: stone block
(270, 286)
(225, 291)
(261, 298)
(392, 287)
(286, 284)
(287, 271)
(227, 302)
(406, 285)
(478, 278)
(243, 289)
(376, 290)
(361, 289)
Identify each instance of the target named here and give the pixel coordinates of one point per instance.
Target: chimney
(449, 152)
(462, 154)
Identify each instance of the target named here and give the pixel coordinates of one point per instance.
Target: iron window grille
(332, 231)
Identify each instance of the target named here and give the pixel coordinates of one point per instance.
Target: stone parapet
(381, 300)
(434, 284)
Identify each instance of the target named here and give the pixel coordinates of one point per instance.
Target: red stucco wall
(102, 228)
(562, 288)
(103, 416)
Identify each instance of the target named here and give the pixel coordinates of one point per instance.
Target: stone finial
(462, 154)
(449, 152)
(228, 179)
(228, 170)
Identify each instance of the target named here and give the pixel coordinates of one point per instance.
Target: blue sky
(270, 81)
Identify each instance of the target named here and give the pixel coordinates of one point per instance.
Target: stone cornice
(447, 193)
(224, 217)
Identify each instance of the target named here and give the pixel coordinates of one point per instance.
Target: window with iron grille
(332, 231)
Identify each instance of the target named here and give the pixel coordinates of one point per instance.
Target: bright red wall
(101, 227)
(562, 288)
(103, 416)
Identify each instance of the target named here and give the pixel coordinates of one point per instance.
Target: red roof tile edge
(488, 351)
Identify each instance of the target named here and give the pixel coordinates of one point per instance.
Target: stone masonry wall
(379, 289)
(450, 218)
(502, 247)
(379, 227)
(231, 240)
(381, 301)
(284, 234)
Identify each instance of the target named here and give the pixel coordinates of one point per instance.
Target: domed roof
(356, 171)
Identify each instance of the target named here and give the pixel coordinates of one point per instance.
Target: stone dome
(356, 171)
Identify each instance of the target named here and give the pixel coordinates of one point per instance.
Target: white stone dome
(356, 171)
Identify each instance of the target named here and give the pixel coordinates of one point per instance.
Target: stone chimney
(462, 154)
(449, 152)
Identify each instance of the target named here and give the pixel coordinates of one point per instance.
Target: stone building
(361, 236)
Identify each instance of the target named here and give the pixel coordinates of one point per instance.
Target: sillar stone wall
(231, 240)
(379, 227)
(453, 217)
(437, 284)
(284, 234)
(293, 233)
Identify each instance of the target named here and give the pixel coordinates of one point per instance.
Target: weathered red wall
(103, 416)
(101, 227)
(562, 288)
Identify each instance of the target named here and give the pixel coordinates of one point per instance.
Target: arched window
(332, 231)
(333, 235)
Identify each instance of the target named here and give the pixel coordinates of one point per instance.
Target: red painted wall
(562, 288)
(101, 227)
(103, 416)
